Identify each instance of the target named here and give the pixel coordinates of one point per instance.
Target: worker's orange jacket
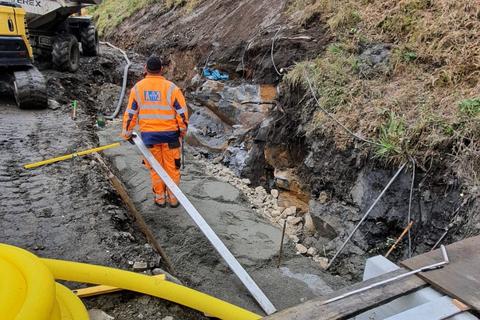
(159, 108)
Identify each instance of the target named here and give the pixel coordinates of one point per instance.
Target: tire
(89, 39)
(30, 89)
(66, 53)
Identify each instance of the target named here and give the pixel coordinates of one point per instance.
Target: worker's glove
(183, 134)
(130, 138)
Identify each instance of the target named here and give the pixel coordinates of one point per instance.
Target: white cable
(124, 84)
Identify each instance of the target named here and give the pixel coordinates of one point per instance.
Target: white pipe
(124, 84)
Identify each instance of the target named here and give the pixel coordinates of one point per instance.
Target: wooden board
(355, 304)
(461, 277)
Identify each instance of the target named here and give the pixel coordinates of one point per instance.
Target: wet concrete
(253, 240)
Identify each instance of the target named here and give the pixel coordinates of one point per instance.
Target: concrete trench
(252, 239)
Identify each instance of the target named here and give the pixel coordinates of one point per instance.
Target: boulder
(245, 104)
(287, 179)
(206, 130)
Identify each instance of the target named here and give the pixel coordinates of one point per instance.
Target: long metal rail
(234, 265)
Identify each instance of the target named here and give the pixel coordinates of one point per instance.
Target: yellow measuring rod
(70, 156)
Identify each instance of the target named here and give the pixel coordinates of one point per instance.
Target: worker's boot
(173, 202)
(160, 201)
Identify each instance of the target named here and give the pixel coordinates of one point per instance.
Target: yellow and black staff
(71, 156)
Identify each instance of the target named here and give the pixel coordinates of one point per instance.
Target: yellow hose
(28, 290)
(70, 156)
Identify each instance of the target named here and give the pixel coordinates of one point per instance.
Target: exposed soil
(235, 36)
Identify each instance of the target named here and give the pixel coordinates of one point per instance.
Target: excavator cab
(15, 49)
(16, 58)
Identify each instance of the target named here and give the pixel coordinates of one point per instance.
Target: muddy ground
(69, 211)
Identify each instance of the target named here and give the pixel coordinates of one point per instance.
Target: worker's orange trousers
(169, 159)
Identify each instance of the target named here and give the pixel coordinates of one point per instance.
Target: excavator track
(30, 89)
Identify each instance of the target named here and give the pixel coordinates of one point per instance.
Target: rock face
(246, 105)
(288, 180)
(207, 130)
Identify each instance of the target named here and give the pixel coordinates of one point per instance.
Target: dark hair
(154, 64)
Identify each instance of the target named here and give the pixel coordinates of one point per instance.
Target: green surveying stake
(74, 109)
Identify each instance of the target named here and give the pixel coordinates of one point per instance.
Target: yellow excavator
(16, 59)
(45, 29)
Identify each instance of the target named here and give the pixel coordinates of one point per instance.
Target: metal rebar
(366, 215)
(440, 240)
(409, 218)
(377, 284)
(281, 243)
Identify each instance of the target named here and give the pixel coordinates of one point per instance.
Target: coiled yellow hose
(28, 289)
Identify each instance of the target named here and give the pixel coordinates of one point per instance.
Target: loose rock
(310, 228)
(97, 314)
(301, 248)
(140, 266)
(274, 193)
(290, 211)
(312, 251)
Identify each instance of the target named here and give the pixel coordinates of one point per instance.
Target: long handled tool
(394, 246)
(234, 265)
(71, 156)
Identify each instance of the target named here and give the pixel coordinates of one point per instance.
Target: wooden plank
(355, 304)
(138, 218)
(438, 309)
(461, 277)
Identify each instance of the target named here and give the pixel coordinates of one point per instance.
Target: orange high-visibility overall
(159, 108)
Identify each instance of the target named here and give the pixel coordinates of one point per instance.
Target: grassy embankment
(425, 104)
(111, 13)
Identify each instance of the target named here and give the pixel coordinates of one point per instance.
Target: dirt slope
(233, 35)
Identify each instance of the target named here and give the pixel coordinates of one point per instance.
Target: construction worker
(158, 107)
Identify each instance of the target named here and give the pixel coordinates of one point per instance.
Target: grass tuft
(430, 91)
(111, 13)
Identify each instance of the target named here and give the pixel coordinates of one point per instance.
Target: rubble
(301, 248)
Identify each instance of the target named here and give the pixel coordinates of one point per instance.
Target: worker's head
(154, 65)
